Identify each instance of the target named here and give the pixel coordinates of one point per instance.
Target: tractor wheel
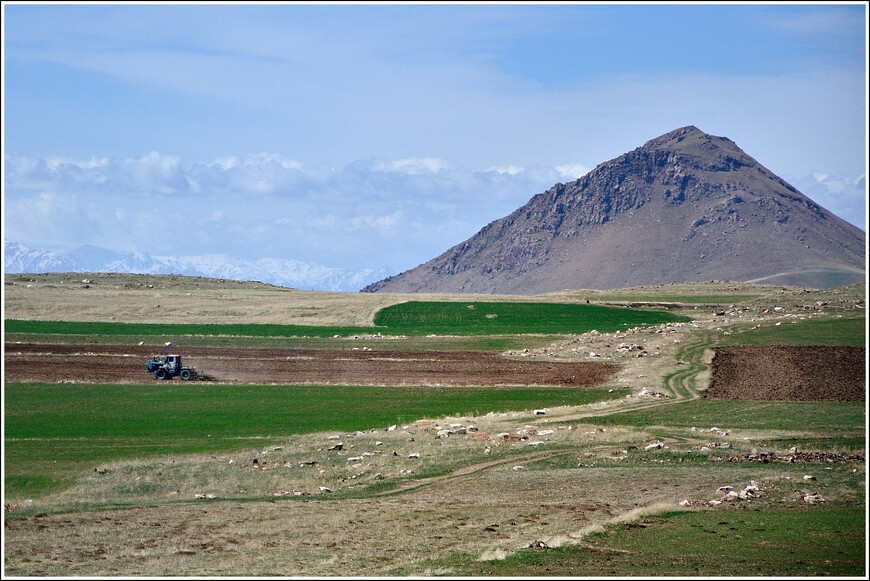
(161, 374)
(185, 374)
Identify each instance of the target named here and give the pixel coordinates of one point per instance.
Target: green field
(53, 432)
(490, 343)
(479, 318)
(773, 415)
(845, 331)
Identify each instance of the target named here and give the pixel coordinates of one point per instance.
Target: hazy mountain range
(281, 272)
(686, 206)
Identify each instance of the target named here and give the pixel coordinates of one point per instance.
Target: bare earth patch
(789, 373)
(119, 364)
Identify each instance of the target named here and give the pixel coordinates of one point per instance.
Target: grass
(179, 329)
(689, 293)
(492, 343)
(708, 299)
(826, 417)
(411, 318)
(781, 542)
(845, 331)
(52, 432)
(838, 444)
(485, 318)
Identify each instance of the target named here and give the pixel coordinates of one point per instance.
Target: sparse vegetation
(55, 431)
(735, 543)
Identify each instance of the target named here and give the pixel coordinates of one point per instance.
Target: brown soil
(27, 362)
(789, 373)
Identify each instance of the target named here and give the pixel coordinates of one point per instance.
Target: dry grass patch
(491, 511)
(135, 298)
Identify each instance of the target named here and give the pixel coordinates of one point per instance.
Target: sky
(380, 135)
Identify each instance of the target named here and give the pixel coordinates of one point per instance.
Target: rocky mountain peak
(684, 206)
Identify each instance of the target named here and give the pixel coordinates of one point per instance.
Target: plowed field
(118, 364)
(789, 373)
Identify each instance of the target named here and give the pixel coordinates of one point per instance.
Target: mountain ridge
(281, 272)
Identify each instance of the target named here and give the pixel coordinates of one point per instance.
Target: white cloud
(54, 219)
(382, 224)
(390, 212)
(572, 171)
(844, 196)
(510, 170)
(819, 21)
(153, 172)
(259, 159)
(414, 166)
(226, 163)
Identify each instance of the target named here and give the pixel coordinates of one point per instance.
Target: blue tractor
(169, 366)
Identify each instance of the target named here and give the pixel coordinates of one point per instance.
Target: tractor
(169, 366)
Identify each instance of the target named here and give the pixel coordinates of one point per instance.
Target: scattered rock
(647, 393)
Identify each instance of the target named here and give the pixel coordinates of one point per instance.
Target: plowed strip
(119, 364)
(789, 373)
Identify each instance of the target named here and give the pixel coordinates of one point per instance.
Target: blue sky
(377, 136)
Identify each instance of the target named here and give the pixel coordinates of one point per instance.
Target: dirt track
(789, 373)
(118, 364)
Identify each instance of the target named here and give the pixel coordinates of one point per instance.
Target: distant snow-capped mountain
(282, 272)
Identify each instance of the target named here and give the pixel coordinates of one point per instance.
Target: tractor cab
(172, 364)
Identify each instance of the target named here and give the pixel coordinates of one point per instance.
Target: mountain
(281, 272)
(686, 206)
